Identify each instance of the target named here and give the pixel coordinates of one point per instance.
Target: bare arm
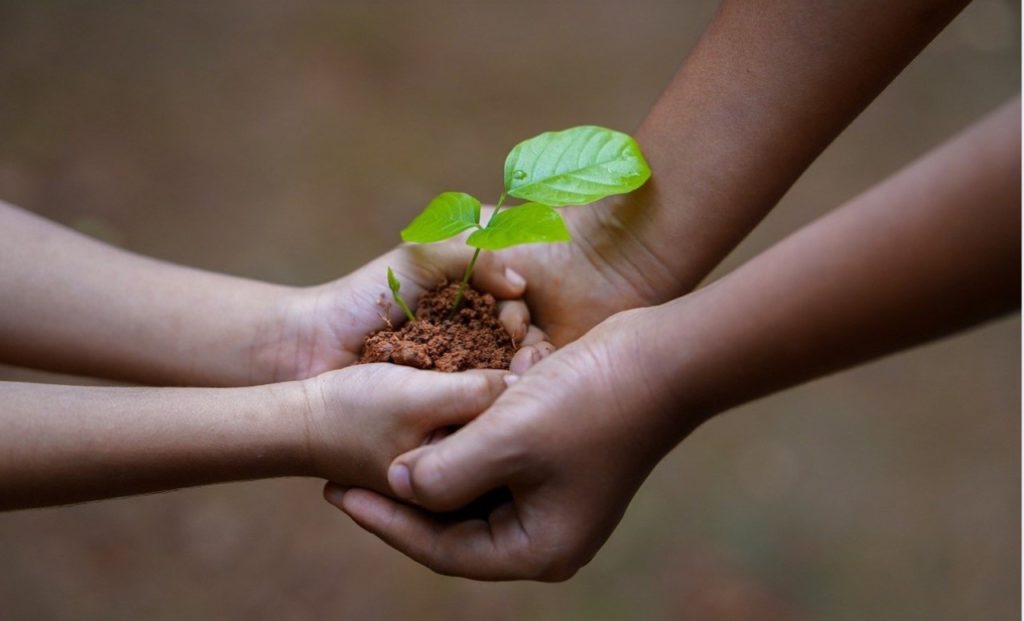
(75, 305)
(63, 444)
(769, 85)
(929, 252)
(72, 304)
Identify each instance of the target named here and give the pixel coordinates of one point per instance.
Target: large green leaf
(575, 166)
(526, 224)
(449, 214)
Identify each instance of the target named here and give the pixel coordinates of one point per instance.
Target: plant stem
(472, 263)
(405, 307)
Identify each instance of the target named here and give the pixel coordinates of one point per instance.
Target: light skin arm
(65, 444)
(931, 251)
(80, 306)
(768, 86)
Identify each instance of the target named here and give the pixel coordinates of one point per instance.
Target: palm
(324, 327)
(576, 285)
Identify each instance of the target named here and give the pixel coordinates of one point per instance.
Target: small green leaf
(449, 214)
(575, 166)
(525, 224)
(393, 283)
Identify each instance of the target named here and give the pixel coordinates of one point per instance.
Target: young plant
(576, 166)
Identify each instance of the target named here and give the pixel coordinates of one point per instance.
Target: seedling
(576, 166)
(394, 285)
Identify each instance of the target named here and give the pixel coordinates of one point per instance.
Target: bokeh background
(290, 141)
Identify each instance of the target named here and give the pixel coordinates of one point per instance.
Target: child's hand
(322, 328)
(362, 417)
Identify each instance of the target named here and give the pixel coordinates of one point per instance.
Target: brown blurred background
(290, 141)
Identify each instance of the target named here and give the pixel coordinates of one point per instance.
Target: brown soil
(472, 339)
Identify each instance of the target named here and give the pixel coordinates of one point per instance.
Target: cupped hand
(605, 269)
(572, 441)
(322, 328)
(360, 418)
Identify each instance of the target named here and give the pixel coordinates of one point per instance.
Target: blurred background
(290, 141)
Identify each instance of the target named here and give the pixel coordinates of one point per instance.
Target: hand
(572, 287)
(606, 268)
(362, 417)
(571, 440)
(322, 328)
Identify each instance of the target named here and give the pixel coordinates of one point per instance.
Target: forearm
(929, 252)
(64, 444)
(767, 88)
(72, 304)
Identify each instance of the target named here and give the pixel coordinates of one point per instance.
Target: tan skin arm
(74, 305)
(769, 85)
(64, 444)
(931, 251)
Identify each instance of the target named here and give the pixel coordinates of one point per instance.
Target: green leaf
(393, 283)
(575, 166)
(449, 214)
(526, 224)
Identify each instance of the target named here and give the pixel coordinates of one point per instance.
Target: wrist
(612, 236)
(277, 335)
(667, 355)
(283, 432)
(693, 356)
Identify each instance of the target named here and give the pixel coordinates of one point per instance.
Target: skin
(933, 250)
(65, 444)
(174, 325)
(766, 89)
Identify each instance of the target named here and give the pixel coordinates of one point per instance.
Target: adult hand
(572, 441)
(606, 268)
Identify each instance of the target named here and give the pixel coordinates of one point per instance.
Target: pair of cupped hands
(569, 434)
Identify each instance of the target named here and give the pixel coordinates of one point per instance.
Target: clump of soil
(472, 339)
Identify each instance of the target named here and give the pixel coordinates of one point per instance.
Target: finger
(453, 473)
(439, 434)
(478, 549)
(523, 359)
(545, 348)
(515, 316)
(333, 492)
(444, 399)
(491, 275)
(533, 336)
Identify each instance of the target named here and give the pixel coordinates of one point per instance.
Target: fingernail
(522, 361)
(400, 482)
(510, 379)
(514, 278)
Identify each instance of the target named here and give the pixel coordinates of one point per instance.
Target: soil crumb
(472, 339)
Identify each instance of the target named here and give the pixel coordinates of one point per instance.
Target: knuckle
(429, 480)
(476, 392)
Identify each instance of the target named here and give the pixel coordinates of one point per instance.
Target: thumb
(454, 472)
